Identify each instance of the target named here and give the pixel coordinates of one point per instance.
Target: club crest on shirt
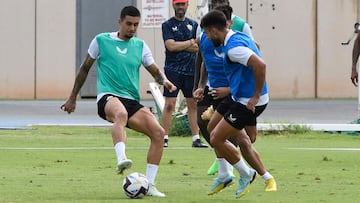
(190, 27)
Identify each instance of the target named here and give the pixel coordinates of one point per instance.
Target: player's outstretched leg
(270, 185)
(213, 168)
(154, 192)
(244, 184)
(122, 165)
(220, 184)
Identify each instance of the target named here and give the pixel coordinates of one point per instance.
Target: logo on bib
(121, 52)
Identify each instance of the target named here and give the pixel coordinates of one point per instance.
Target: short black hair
(129, 11)
(226, 9)
(214, 18)
(220, 2)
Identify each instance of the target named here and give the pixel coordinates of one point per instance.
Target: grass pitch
(77, 164)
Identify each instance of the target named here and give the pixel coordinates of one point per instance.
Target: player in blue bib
(217, 78)
(245, 71)
(206, 104)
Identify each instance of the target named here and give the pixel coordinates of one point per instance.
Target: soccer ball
(135, 185)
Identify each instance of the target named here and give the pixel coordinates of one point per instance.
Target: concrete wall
(55, 48)
(335, 24)
(287, 35)
(38, 48)
(17, 55)
(300, 42)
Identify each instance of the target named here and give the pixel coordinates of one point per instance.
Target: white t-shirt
(238, 54)
(147, 58)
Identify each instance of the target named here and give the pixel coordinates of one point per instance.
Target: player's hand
(69, 106)
(354, 78)
(252, 103)
(198, 94)
(220, 92)
(169, 85)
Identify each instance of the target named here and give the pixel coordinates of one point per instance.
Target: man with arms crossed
(179, 35)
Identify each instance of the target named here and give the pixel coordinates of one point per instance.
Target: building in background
(44, 42)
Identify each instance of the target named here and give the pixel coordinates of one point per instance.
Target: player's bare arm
(355, 57)
(160, 77)
(198, 62)
(201, 77)
(259, 68)
(70, 105)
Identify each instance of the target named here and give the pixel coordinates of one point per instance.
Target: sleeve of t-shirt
(93, 49)
(247, 31)
(240, 55)
(147, 58)
(166, 32)
(198, 33)
(200, 36)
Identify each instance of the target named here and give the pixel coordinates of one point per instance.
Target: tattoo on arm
(82, 75)
(156, 73)
(88, 62)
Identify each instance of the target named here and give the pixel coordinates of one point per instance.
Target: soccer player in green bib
(119, 57)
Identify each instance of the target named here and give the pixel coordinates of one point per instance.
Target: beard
(216, 42)
(180, 13)
(129, 36)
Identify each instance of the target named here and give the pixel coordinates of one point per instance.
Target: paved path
(17, 114)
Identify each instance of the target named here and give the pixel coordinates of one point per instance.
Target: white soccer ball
(135, 185)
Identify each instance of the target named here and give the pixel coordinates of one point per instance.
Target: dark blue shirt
(182, 62)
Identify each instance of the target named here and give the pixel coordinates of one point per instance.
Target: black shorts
(208, 100)
(224, 105)
(239, 116)
(185, 83)
(131, 106)
(220, 105)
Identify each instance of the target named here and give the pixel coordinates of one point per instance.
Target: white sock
(223, 168)
(242, 168)
(229, 166)
(120, 151)
(166, 137)
(195, 137)
(267, 176)
(151, 171)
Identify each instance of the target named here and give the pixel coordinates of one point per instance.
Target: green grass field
(77, 164)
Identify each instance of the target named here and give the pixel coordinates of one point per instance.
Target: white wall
(17, 52)
(38, 48)
(300, 42)
(286, 33)
(335, 24)
(55, 48)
